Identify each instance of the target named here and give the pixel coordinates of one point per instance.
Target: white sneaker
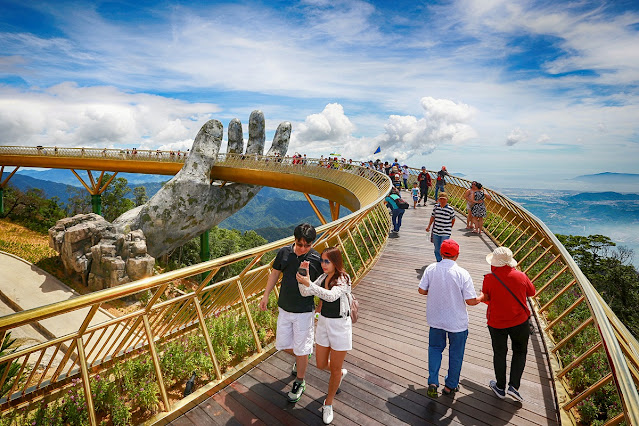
(327, 414)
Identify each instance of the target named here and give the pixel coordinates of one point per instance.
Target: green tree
(79, 201)
(610, 272)
(114, 201)
(32, 209)
(139, 193)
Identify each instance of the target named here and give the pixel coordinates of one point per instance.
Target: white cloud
(542, 139)
(516, 135)
(444, 121)
(69, 115)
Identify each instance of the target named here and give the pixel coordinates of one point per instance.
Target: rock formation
(90, 247)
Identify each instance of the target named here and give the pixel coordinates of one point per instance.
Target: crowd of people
(306, 274)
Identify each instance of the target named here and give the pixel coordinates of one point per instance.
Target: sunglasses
(325, 261)
(303, 245)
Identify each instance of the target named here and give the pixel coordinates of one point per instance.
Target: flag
(378, 150)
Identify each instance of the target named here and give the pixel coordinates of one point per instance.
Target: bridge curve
(579, 329)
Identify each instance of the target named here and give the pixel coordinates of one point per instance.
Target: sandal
(432, 391)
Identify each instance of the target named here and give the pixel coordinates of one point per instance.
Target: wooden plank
(388, 366)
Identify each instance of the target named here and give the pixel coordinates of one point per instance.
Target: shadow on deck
(387, 368)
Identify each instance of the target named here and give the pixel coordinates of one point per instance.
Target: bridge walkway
(387, 368)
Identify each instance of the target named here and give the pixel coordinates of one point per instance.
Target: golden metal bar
(532, 250)
(82, 182)
(356, 248)
(156, 363)
(580, 359)
(504, 230)
(359, 230)
(516, 239)
(545, 268)
(86, 382)
(539, 258)
(207, 338)
(16, 379)
(250, 265)
(551, 280)
(572, 334)
(615, 420)
(44, 373)
(4, 182)
(206, 280)
(348, 259)
(33, 371)
(247, 311)
(315, 209)
(102, 189)
(557, 296)
(93, 185)
(586, 393)
(97, 342)
(524, 244)
(564, 313)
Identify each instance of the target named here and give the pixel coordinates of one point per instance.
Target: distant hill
(610, 178)
(51, 189)
(67, 177)
(603, 196)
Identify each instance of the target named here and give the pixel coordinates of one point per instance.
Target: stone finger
(236, 137)
(281, 140)
(256, 133)
(204, 151)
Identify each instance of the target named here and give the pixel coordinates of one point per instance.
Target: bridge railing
(593, 356)
(47, 372)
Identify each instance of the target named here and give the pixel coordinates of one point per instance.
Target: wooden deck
(387, 368)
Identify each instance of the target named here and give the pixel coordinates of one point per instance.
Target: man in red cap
(449, 288)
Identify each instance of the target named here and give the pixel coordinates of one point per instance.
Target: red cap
(449, 248)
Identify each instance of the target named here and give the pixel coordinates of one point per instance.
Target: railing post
(86, 383)
(207, 337)
(248, 316)
(156, 362)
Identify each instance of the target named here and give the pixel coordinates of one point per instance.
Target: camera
(301, 271)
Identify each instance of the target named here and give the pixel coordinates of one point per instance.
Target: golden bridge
(581, 353)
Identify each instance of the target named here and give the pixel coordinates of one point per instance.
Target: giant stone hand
(188, 204)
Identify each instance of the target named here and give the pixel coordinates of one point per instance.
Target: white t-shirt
(449, 286)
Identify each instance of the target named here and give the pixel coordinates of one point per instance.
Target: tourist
(334, 333)
(405, 176)
(449, 288)
(294, 333)
(440, 182)
(505, 290)
(396, 178)
(469, 196)
(479, 208)
(442, 221)
(415, 194)
(425, 182)
(396, 211)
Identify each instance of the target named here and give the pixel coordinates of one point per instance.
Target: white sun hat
(501, 256)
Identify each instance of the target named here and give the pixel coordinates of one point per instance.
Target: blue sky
(512, 93)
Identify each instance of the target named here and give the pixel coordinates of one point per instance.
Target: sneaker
(327, 414)
(294, 369)
(499, 392)
(514, 393)
(296, 392)
(432, 391)
(344, 373)
(452, 391)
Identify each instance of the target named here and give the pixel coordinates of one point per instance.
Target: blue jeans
(437, 241)
(397, 219)
(438, 188)
(436, 346)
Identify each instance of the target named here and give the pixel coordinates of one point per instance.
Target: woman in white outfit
(334, 332)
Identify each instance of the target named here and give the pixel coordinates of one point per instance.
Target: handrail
(97, 346)
(537, 249)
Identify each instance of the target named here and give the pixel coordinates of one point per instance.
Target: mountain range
(610, 178)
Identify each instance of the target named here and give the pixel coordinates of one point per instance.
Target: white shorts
(334, 333)
(295, 331)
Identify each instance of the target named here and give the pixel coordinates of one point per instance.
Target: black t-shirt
(330, 309)
(287, 262)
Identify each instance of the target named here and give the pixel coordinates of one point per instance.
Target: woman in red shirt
(507, 316)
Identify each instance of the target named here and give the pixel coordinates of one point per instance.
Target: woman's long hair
(334, 254)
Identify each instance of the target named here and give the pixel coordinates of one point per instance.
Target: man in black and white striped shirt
(443, 218)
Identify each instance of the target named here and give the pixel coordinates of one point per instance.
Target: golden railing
(591, 352)
(48, 369)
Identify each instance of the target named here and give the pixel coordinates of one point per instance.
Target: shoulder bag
(531, 326)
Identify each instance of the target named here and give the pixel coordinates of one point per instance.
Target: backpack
(354, 307)
(401, 203)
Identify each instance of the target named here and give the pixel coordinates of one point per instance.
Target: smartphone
(301, 271)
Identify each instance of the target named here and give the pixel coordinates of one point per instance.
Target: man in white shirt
(449, 288)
